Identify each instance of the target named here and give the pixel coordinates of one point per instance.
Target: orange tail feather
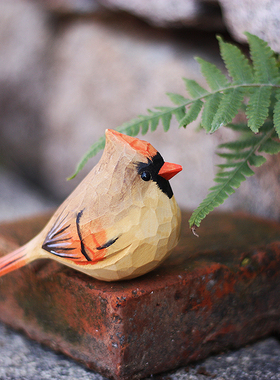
(13, 261)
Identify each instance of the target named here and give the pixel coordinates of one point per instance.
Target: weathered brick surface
(215, 292)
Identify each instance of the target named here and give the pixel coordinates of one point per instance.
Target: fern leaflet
(276, 113)
(236, 63)
(257, 109)
(241, 155)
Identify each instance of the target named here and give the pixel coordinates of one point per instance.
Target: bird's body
(120, 222)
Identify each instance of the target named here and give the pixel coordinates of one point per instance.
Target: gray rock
(19, 199)
(23, 359)
(202, 14)
(160, 12)
(23, 61)
(259, 17)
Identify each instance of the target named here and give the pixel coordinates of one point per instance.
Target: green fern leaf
(131, 129)
(194, 89)
(164, 109)
(192, 113)
(154, 120)
(237, 64)
(256, 160)
(233, 156)
(219, 193)
(176, 98)
(94, 149)
(239, 127)
(276, 113)
(228, 107)
(228, 165)
(246, 142)
(179, 113)
(166, 121)
(234, 171)
(270, 147)
(214, 77)
(145, 126)
(209, 111)
(165, 116)
(265, 65)
(258, 107)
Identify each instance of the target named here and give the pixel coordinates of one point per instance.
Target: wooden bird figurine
(120, 222)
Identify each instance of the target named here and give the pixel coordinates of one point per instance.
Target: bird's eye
(146, 176)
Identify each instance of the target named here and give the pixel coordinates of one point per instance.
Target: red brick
(215, 292)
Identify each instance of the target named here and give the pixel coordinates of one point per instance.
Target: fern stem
(123, 128)
(172, 110)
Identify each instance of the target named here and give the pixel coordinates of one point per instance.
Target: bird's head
(141, 158)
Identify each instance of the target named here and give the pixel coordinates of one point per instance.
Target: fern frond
(239, 127)
(236, 63)
(276, 112)
(176, 98)
(228, 107)
(256, 160)
(257, 109)
(214, 77)
(240, 158)
(210, 108)
(265, 65)
(192, 114)
(247, 141)
(165, 117)
(194, 89)
(270, 147)
(95, 148)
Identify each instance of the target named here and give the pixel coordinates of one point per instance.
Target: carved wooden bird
(119, 223)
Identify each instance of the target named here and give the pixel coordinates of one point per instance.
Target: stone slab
(215, 292)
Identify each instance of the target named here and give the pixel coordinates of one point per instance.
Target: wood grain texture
(115, 225)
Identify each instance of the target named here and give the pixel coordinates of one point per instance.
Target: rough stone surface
(260, 17)
(216, 292)
(21, 358)
(19, 199)
(203, 14)
(160, 12)
(23, 60)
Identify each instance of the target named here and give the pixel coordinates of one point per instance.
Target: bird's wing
(68, 239)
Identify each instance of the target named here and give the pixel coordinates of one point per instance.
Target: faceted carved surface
(216, 292)
(114, 225)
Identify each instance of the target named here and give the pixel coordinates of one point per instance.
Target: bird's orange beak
(168, 170)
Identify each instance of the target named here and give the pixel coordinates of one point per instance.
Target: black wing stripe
(58, 223)
(83, 250)
(106, 245)
(60, 231)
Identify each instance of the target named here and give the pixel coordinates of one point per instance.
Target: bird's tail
(20, 257)
(13, 260)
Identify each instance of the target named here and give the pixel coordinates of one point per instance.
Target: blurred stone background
(69, 69)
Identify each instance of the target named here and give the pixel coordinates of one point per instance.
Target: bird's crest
(141, 146)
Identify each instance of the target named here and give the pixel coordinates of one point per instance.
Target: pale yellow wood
(114, 225)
